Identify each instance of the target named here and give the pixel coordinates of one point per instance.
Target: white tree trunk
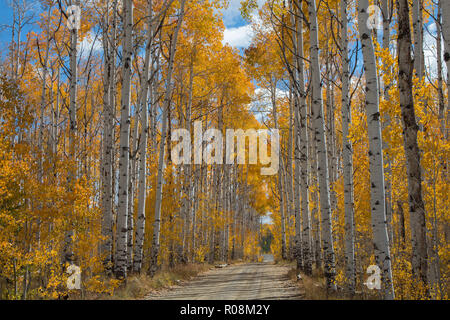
(347, 155)
(319, 126)
(377, 199)
(440, 86)
(280, 178)
(142, 189)
(108, 132)
(385, 7)
(445, 7)
(418, 37)
(120, 269)
(159, 184)
(303, 152)
(73, 53)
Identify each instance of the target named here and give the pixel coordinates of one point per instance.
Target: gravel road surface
(249, 281)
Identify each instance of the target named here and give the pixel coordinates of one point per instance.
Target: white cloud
(267, 219)
(264, 94)
(430, 52)
(90, 42)
(262, 102)
(239, 37)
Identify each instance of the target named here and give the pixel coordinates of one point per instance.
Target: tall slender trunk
(319, 128)
(147, 92)
(377, 199)
(385, 8)
(440, 86)
(347, 155)
(132, 164)
(418, 37)
(73, 53)
(294, 112)
(108, 132)
(121, 263)
(290, 172)
(187, 202)
(280, 178)
(445, 8)
(303, 152)
(159, 184)
(410, 129)
(42, 113)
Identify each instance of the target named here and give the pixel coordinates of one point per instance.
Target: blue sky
(237, 34)
(5, 18)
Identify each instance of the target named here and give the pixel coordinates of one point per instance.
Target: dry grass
(137, 286)
(314, 286)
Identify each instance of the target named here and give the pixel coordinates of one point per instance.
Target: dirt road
(248, 281)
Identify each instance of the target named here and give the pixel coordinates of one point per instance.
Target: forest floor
(244, 281)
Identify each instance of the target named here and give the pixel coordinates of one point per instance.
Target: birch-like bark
(132, 172)
(147, 93)
(42, 112)
(280, 178)
(120, 268)
(418, 37)
(386, 10)
(187, 170)
(445, 9)
(302, 139)
(297, 185)
(347, 155)
(319, 127)
(290, 172)
(159, 184)
(108, 131)
(440, 86)
(73, 53)
(412, 152)
(377, 199)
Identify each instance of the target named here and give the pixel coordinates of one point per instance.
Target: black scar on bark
(446, 56)
(376, 116)
(364, 36)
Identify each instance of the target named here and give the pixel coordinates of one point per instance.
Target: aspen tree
(302, 125)
(445, 9)
(440, 85)
(73, 53)
(418, 37)
(121, 263)
(347, 154)
(146, 93)
(109, 49)
(159, 184)
(410, 130)
(386, 9)
(377, 199)
(280, 175)
(319, 129)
